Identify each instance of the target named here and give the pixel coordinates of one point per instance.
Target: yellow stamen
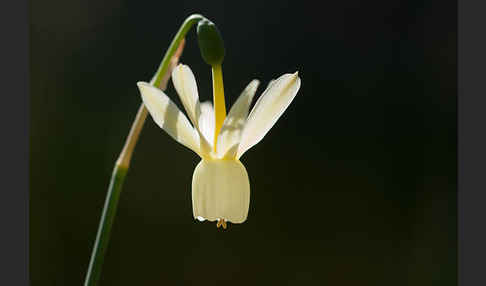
(221, 222)
(218, 99)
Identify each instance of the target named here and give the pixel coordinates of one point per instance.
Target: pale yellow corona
(220, 183)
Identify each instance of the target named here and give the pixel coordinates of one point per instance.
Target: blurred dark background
(355, 185)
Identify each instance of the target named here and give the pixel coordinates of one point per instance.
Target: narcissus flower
(220, 184)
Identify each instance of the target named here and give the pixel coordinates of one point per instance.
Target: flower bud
(210, 42)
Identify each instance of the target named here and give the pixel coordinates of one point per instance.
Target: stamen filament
(218, 99)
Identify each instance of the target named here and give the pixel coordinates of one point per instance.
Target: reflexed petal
(220, 190)
(206, 121)
(269, 107)
(166, 114)
(268, 86)
(186, 87)
(230, 134)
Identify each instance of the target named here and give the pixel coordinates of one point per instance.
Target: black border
(471, 143)
(14, 154)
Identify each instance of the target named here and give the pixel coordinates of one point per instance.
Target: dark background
(355, 184)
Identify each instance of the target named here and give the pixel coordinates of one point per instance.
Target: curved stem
(122, 164)
(164, 65)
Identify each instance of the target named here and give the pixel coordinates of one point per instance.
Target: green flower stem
(106, 222)
(164, 65)
(122, 164)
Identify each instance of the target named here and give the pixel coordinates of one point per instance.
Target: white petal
(268, 86)
(230, 134)
(221, 190)
(185, 85)
(269, 107)
(166, 114)
(206, 121)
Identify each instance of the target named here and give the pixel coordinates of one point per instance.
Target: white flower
(220, 184)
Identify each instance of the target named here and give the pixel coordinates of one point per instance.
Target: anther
(221, 222)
